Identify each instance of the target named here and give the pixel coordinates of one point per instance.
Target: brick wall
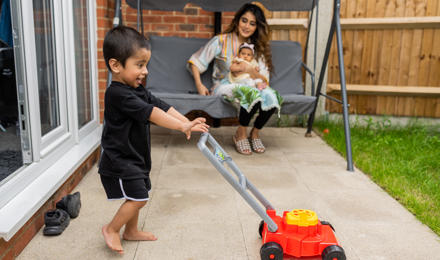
(9, 250)
(192, 22)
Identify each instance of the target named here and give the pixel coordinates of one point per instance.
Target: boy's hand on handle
(172, 119)
(203, 127)
(197, 125)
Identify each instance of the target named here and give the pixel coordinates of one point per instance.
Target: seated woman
(248, 26)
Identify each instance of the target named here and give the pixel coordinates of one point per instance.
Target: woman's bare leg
(240, 140)
(255, 133)
(241, 133)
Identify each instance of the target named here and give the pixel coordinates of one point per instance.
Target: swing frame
(313, 5)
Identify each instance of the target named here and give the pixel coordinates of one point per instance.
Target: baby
(246, 55)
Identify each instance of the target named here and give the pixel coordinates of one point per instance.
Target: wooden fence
(391, 55)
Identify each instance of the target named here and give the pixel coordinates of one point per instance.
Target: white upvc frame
(61, 134)
(39, 149)
(43, 145)
(55, 156)
(93, 43)
(71, 66)
(28, 45)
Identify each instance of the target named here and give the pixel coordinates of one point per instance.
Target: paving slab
(196, 214)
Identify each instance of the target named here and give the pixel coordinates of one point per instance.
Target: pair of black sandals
(57, 220)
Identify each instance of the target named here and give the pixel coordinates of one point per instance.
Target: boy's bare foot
(139, 236)
(112, 240)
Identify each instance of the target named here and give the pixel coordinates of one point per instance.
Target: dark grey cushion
(297, 104)
(167, 68)
(287, 75)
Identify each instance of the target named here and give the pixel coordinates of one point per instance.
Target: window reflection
(46, 69)
(83, 88)
(10, 142)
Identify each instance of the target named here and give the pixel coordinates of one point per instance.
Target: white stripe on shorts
(125, 195)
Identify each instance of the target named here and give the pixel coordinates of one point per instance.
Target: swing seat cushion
(169, 80)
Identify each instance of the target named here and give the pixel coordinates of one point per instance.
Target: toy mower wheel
(333, 252)
(260, 228)
(271, 251)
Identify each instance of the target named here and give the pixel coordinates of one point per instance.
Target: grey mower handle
(217, 157)
(214, 159)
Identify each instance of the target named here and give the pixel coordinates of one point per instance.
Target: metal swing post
(216, 122)
(343, 87)
(335, 26)
(140, 19)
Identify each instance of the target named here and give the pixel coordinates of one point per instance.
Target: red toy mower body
(299, 234)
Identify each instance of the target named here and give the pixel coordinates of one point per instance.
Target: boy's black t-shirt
(126, 135)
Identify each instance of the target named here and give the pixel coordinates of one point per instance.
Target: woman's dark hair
(122, 42)
(260, 38)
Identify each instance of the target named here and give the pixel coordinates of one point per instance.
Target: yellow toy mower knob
(302, 218)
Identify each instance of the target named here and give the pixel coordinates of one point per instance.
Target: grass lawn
(403, 160)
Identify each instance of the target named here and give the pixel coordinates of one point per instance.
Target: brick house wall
(192, 22)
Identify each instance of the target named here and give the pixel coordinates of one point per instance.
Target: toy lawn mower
(297, 233)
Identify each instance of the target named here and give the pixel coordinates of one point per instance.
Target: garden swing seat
(170, 80)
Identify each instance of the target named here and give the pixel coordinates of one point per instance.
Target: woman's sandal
(257, 145)
(242, 146)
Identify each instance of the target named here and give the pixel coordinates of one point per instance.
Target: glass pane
(10, 142)
(44, 43)
(83, 88)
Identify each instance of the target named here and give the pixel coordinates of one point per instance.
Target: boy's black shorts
(136, 189)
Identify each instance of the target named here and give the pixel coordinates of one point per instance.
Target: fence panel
(385, 42)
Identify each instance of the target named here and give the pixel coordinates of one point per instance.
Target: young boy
(129, 108)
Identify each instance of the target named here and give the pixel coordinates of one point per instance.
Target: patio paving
(196, 214)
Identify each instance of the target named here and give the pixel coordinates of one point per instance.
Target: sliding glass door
(48, 86)
(46, 65)
(11, 157)
(82, 62)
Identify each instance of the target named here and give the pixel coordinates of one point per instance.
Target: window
(82, 62)
(46, 65)
(11, 158)
(54, 117)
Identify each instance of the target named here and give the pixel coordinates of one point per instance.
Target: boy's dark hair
(122, 42)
